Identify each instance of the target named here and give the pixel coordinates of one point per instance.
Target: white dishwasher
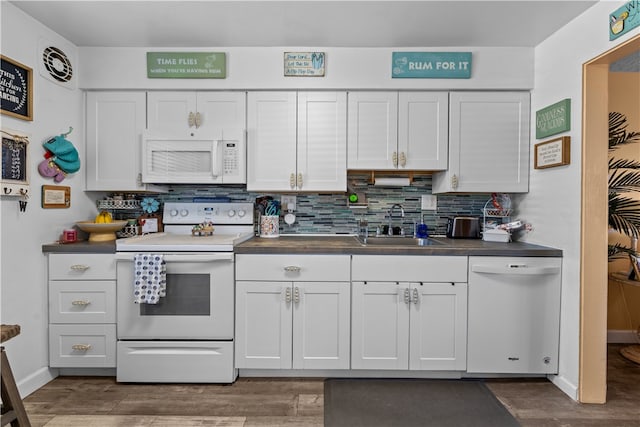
(513, 315)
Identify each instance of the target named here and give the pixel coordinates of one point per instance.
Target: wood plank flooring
(101, 402)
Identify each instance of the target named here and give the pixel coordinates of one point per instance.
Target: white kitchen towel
(150, 278)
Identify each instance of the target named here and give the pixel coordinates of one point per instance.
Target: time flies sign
(186, 65)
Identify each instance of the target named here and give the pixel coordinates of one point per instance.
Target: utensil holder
(270, 226)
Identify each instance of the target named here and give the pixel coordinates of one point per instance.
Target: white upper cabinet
(296, 141)
(115, 122)
(488, 143)
(391, 130)
(204, 112)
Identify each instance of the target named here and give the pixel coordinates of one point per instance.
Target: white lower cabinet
(292, 311)
(82, 310)
(417, 321)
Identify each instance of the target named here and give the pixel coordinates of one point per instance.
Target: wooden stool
(12, 408)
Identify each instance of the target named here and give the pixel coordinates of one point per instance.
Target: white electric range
(186, 335)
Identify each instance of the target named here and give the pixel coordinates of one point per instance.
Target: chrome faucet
(390, 213)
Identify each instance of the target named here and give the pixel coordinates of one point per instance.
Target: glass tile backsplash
(330, 213)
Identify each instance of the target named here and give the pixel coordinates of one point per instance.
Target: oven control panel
(216, 213)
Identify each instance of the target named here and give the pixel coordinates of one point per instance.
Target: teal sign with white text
(624, 19)
(186, 65)
(431, 65)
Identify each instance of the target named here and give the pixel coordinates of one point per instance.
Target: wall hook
(68, 133)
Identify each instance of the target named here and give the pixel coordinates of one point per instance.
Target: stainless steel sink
(398, 241)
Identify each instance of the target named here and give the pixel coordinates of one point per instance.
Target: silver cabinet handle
(292, 269)
(299, 182)
(403, 159)
(454, 181)
(292, 181)
(81, 347)
(79, 267)
(191, 119)
(407, 296)
(296, 295)
(394, 159)
(80, 302)
(198, 120)
(415, 296)
(287, 295)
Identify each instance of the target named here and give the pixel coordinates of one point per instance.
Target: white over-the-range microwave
(194, 158)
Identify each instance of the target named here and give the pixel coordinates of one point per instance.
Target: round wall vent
(57, 64)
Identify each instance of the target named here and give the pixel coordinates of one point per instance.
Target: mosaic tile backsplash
(330, 213)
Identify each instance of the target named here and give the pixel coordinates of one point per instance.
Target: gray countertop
(348, 245)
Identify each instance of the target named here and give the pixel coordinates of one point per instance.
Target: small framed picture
(150, 223)
(555, 152)
(56, 196)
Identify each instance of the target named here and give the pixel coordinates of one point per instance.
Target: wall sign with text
(552, 153)
(304, 64)
(186, 65)
(624, 19)
(553, 119)
(431, 65)
(16, 89)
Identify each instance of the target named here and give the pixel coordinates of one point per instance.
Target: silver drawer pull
(415, 297)
(287, 295)
(81, 347)
(296, 295)
(79, 267)
(292, 269)
(80, 302)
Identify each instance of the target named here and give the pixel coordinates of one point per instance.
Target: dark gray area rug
(412, 402)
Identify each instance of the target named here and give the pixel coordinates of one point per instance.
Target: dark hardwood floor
(100, 401)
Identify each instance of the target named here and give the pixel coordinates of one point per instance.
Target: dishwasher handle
(515, 269)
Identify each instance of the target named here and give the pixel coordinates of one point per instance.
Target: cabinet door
(423, 119)
(170, 110)
(321, 325)
(438, 326)
(514, 315)
(488, 143)
(263, 325)
(222, 110)
(380, 325)
(372, 137)
(115, 121)
(271, 141)
(322, 141)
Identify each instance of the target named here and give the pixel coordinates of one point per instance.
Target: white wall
(23, 287)
(553, 202)
(346, 68)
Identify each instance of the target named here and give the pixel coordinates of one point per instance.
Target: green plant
(624, 178)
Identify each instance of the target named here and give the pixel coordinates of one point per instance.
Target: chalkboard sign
(15, 168)
(16, 85)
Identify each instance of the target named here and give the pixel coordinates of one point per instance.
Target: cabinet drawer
(327, 268)
(410, 268)
(82, 301)
(82, 266)
(82, 346)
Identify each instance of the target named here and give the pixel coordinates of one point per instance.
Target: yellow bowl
(101, 232)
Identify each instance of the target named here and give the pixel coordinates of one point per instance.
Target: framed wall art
(56, 196)
(16, 89)
(552, 153)
(15, 163)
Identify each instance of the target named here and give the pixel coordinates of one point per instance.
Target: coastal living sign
(624, 19)
(304, 64)
(553, 119)
(16, 89)
(431, 65)
(186, 65)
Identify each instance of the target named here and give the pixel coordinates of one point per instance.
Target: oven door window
(187, 295)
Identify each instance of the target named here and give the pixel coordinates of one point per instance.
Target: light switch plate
(429, 202)
(288, 203)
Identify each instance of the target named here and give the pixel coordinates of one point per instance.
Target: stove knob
(173, 212)
(231, 213)
(241, 213)
(184, 212)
